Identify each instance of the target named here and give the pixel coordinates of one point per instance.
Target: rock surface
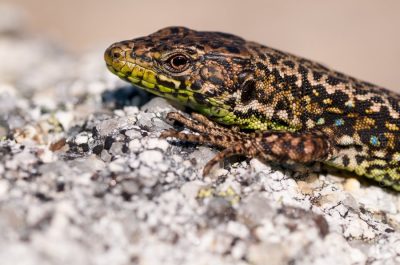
(84, 179)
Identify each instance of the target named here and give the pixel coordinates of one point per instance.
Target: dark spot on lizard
(333, 80)
(232, 49)
(346, 160)
(196, 85)
(317, 75)
(249, 91)
(289, 63)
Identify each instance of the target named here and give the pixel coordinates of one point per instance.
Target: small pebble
(82, 138)
(135, 145)
(151, 157)
(352, 185)
(117, 165)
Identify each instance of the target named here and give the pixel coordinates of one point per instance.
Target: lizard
(253, 100)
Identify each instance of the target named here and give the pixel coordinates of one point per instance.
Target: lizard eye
(177, 63)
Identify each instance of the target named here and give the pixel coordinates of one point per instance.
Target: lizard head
(207, 71)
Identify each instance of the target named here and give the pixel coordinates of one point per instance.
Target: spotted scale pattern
(300, 111)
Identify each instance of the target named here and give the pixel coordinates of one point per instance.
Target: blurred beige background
(358, 37)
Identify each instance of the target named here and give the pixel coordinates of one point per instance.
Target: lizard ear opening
(248, 91)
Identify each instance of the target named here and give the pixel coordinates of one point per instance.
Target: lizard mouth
(150, 81)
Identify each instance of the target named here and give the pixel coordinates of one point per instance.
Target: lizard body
(300, 111)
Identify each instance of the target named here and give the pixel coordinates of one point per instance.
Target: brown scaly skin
(300, 111)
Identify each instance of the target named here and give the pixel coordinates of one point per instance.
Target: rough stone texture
(84, 179)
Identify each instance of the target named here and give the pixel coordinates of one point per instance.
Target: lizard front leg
(299, 147)
(201, 124)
